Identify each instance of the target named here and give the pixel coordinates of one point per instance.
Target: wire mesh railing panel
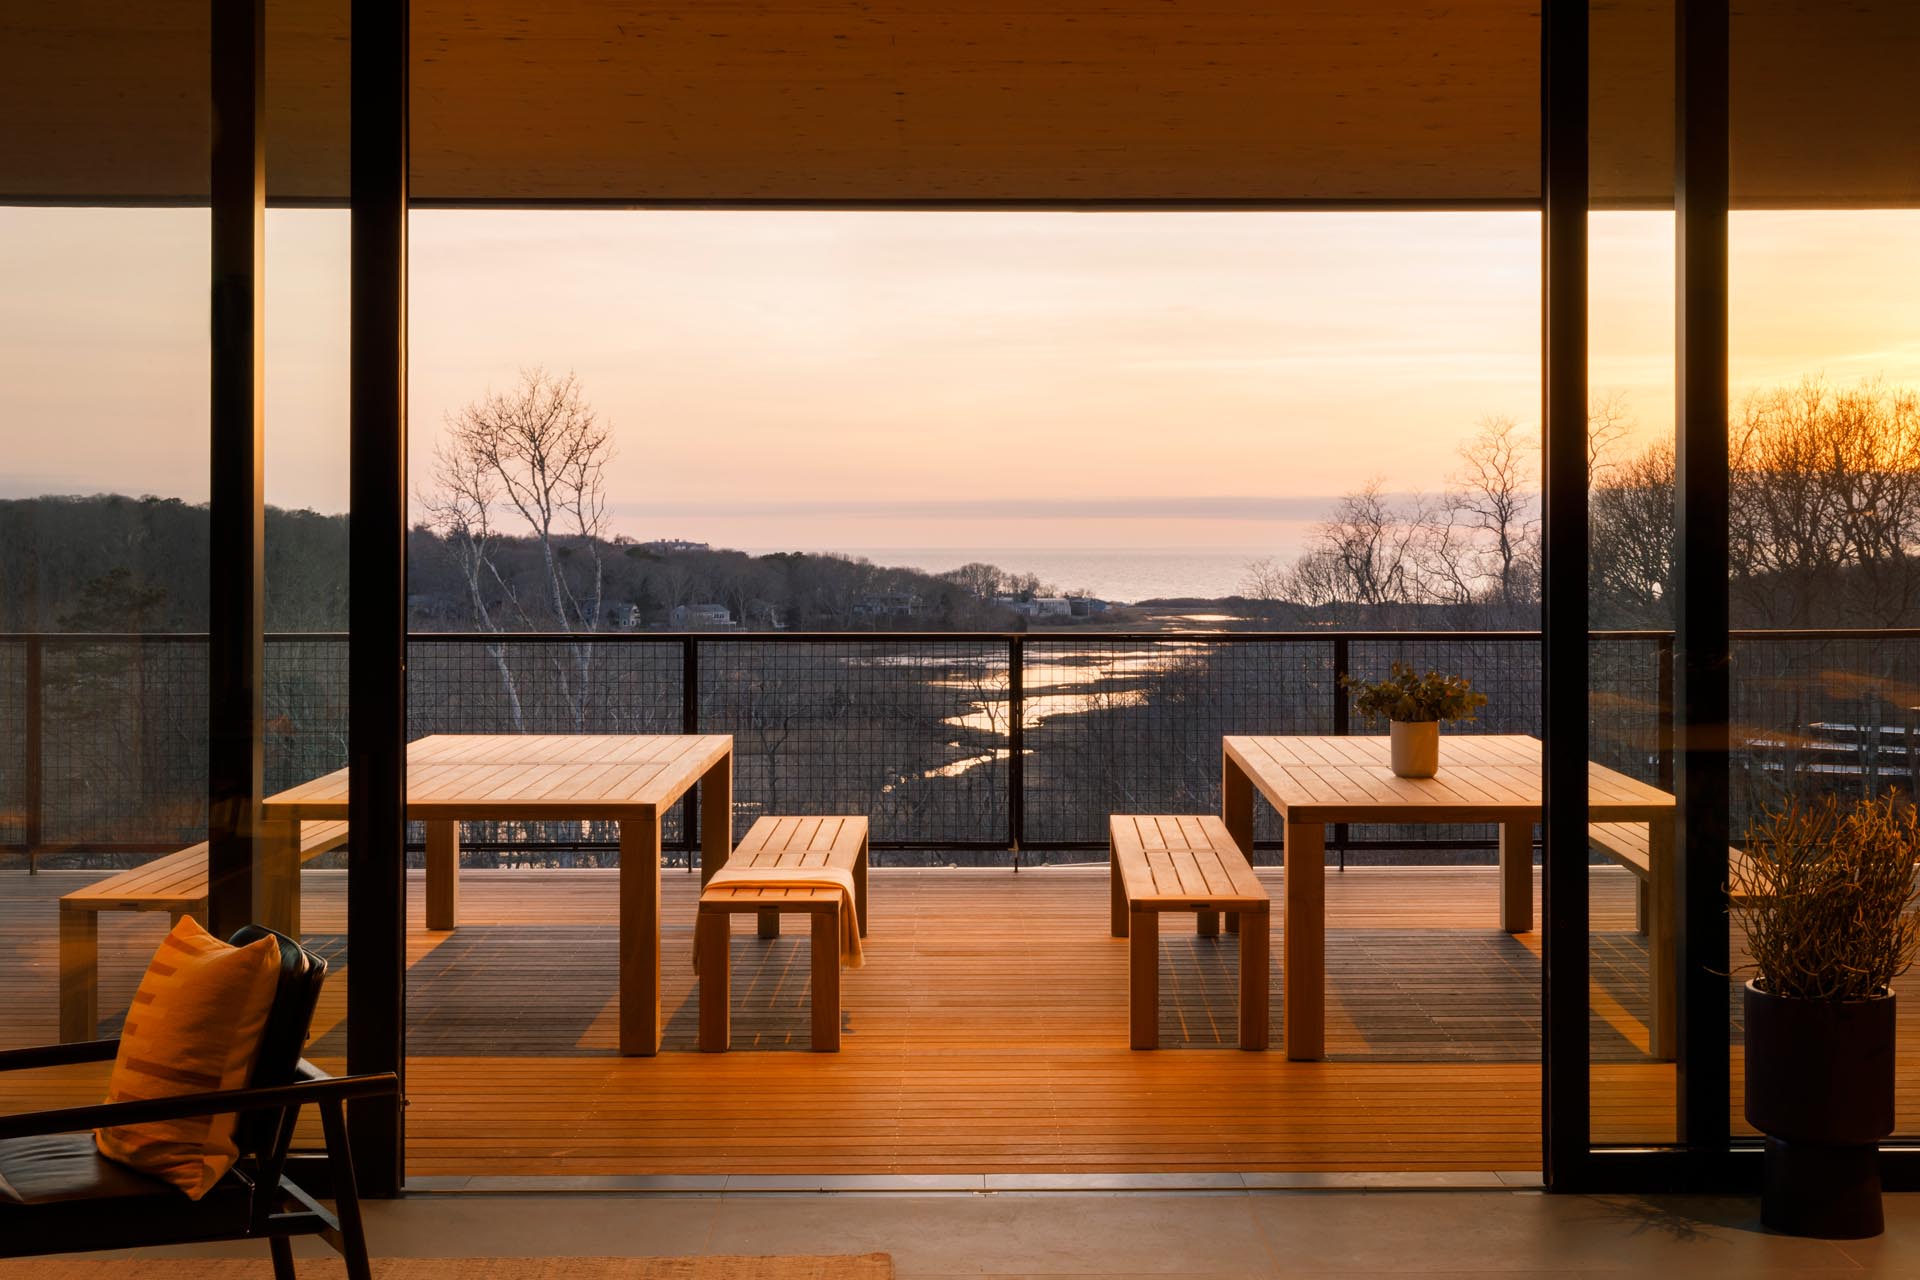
(1132, 726)
(911, 733)
(914, 732)
(16, 820)
(1506, 670)
(1830, 715)
(304, 689)
(508, 685)
(1624, 704)
(124, 740)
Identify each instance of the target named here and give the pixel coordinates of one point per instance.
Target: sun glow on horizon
(1166, 380)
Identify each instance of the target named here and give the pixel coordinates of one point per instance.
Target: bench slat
(1168, 860)
(810, 842)
(179, 879)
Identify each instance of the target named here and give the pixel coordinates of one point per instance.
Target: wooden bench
(1631, 845)
(175, 883)
(1166, 863)
(831, 842)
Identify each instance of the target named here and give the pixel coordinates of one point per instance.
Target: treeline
(114, 563)
(110, 563)
(1824, 522)
(637, 586)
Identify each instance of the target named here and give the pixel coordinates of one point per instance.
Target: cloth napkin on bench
(803, 878)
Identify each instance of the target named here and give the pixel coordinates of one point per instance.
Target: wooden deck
(988, 1032)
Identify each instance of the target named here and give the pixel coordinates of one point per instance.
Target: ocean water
(1116, 574)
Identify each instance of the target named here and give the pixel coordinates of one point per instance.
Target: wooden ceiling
(1341, 101)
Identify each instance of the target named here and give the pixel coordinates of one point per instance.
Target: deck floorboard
(988, 1032)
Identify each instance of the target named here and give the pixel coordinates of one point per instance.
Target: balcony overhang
(1425, 103)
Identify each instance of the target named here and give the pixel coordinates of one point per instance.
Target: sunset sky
(823, 380)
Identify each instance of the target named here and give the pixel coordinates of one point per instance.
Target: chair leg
(1118, 890)
(282, 1249)
(346, 1194)
(769, 926)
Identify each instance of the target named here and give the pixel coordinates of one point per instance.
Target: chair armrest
(58, 1055)
(273, 1097)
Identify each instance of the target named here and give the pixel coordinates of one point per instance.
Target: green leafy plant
(1409, 697)
(1826, 896)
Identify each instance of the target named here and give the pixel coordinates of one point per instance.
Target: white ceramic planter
(1416, 748)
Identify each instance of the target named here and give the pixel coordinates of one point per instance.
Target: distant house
(899, 604)
(1087, 606)
(667, 546)
(701, 617)
(765, 613)
(620, 617)
(1038, 607)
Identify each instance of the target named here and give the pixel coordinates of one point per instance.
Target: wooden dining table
(627, 779)
(1483, 778)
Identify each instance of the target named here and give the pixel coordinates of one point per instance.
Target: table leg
(1662, 974)
(276, 875)
(443, 874)
(1236, 810)
(716, 817)
(1143, 979)
(1236, 804)
(1255, 927)
(640, 934)
(1516, 876)
(1303, 932)
(79, 974)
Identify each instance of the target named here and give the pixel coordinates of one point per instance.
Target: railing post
(35, 755)
(690, 724)
(1016, 747)
(1663, 734)
(1342, 726)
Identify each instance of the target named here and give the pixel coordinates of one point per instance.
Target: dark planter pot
(1820, 1086)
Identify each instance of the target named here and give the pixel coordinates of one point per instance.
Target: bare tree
(460, 510)
(1265, 584)
(1496, 495)
(1825, 504)
(1609, 422)
(1365, 557)
(1631, 540)
(540, 452)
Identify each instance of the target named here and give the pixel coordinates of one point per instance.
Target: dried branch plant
(1826, 897)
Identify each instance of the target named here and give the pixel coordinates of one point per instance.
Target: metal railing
(984, 744)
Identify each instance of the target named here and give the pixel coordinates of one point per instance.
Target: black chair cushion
(59, 1187)
(284, 1038)
(67, 1166)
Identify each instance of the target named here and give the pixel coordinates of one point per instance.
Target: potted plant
(1414, 707)
(1825, 898)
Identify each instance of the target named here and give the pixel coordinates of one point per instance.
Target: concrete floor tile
(1114, 1182)
(579, 1225)
(1010, 1234)
(1505, 1232)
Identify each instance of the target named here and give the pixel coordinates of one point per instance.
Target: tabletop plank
(527, 776)
(1482, 778)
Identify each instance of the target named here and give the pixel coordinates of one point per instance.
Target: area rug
(870, 1266)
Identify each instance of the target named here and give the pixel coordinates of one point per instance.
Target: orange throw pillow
(194, 1027)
